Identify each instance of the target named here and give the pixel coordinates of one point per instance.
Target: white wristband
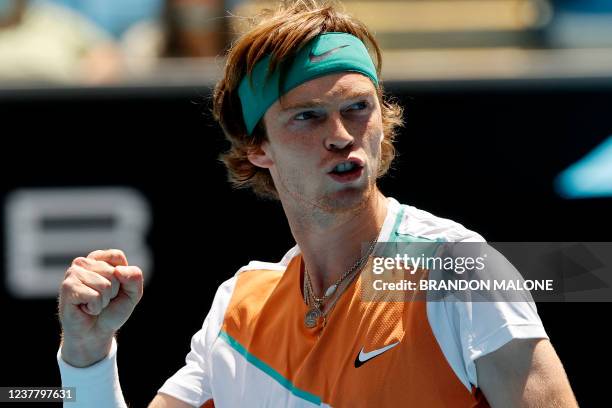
(97, 385)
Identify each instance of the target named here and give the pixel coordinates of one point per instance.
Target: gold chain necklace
(329, 306)
(315, 313)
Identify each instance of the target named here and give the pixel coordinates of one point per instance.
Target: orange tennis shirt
(254, 349)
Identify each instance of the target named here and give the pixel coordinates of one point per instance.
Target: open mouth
(345, 167)
(346, 171)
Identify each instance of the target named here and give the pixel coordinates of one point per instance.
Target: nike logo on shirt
(362, 357)
(321, 57)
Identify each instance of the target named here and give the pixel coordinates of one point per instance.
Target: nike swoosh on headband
(362, 357)
(261, 88)
(320, 57)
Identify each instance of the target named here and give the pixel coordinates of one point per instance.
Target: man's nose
(337, 136)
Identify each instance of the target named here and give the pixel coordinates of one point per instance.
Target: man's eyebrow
(315, 103)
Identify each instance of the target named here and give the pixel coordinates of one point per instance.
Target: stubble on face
(323, 203)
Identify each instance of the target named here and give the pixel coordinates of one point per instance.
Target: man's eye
(358, 106)
(305, 115)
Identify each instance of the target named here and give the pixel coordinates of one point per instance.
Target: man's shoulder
(264, 266)
(257, 275)
(245, 294)
(418, 223)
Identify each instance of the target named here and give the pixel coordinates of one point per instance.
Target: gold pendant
(311, 318)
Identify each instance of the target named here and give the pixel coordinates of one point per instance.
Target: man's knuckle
(96, 296)
(117, 253)
(74, 270)
(79, 260)
(94, 253)
(66, 286)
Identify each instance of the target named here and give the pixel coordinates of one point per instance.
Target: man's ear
(260, 157)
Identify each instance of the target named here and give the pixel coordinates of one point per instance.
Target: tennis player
(302, 103)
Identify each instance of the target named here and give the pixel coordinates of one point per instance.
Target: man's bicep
(162, 400)
(525, 373)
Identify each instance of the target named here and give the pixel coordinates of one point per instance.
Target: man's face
(324, 139)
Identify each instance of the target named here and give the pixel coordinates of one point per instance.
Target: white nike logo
(364, 357)
(321, 57)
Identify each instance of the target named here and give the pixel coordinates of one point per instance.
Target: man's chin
(347, 199)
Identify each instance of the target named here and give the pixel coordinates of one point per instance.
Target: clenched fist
(97, 296)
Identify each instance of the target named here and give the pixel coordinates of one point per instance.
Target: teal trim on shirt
(396, 236)
(251, 358)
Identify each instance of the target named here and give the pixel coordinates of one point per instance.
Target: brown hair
(280, 32)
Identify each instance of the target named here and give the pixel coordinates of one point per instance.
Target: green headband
(326, 53)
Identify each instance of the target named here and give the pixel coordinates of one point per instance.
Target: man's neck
(332, 243)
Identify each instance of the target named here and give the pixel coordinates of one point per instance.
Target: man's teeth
(343, 167)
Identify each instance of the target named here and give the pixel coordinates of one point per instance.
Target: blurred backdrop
(109, 142)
